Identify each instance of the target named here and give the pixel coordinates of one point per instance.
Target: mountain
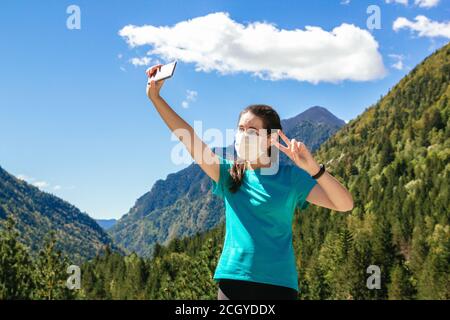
(395, 160)
(314, 125)
(182, 204)
(38, 213)
(106, 223)
(316, 114)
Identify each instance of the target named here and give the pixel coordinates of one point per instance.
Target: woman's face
(253, 125)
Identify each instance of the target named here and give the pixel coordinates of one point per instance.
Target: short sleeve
(218, 188)
(302, 183)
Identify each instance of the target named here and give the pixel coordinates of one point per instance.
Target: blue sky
(74, 117)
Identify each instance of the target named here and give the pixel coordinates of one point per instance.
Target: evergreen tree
(434, 280)
(400, 287)
(50, 274)
(16, 281)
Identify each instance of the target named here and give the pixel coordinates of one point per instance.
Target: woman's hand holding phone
(153, 87)
(204, 156)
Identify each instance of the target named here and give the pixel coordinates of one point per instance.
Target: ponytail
(237, 175)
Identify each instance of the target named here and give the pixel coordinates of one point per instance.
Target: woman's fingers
(152, 70)
(283, 136)
(279, 145)
(293, 146)
(296, 150)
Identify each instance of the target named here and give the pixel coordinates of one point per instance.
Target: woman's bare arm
(328, 192)
(200, 151)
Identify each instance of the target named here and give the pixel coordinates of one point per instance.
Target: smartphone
(166, 71)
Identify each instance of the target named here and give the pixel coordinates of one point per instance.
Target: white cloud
(427, 3)
(403, 2)
(345, 2)
(398, 61)
(423, 26)
(215, 42)
(420, 3)
(41, 184)
(191, 96)
(398, 65)
(143, 61)
(24, 178)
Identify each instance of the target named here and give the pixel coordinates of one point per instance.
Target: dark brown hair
(270, 120)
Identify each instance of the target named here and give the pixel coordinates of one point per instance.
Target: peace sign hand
(297, 152)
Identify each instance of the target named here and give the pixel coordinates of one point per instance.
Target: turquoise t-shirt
(258, 224)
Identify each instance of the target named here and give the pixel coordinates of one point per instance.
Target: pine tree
(50, 273)
(386, 153)
(136, 277)
(434, 280)
(355, 270)
(400, 287)
(384, 252)
(16, 280)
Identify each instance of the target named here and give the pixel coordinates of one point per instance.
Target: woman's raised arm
(200, 151)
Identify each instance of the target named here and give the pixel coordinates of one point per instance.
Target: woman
(257, 261)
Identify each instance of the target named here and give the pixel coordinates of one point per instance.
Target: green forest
(394, 159)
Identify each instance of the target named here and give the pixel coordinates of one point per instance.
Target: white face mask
(249, 146)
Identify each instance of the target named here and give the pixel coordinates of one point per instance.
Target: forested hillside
(38, 213)
(394, 158)
(23, 275)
